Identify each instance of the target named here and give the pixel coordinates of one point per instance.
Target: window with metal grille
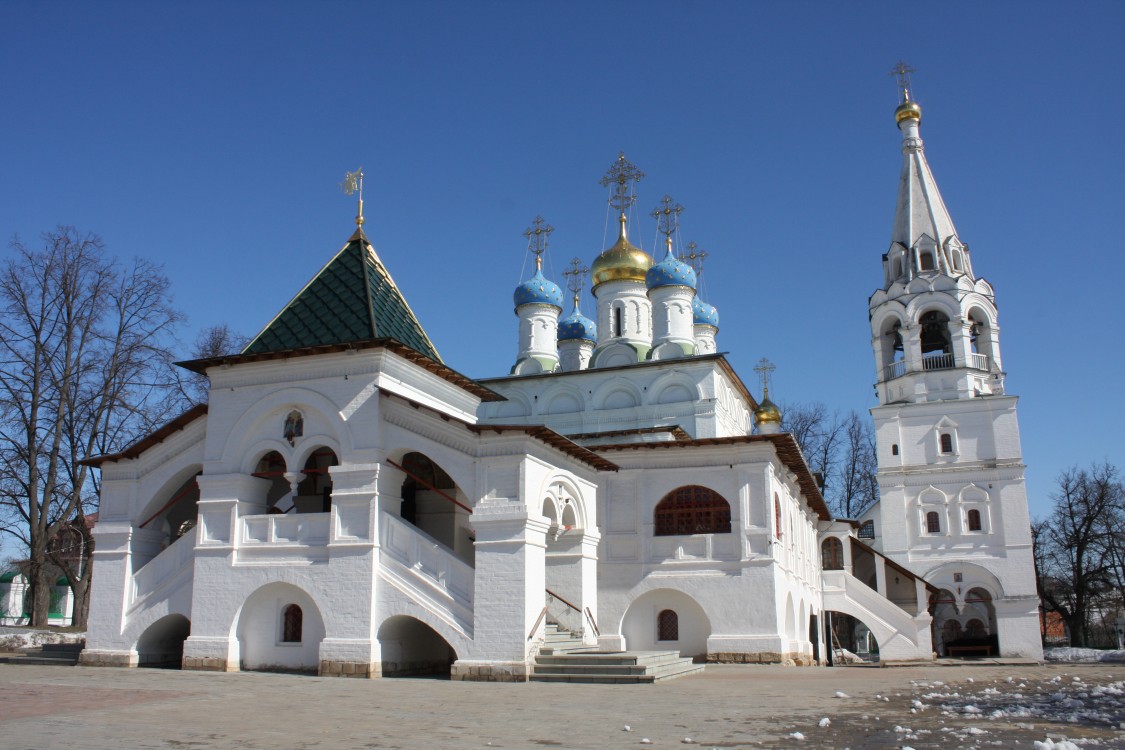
(933, 522)
(291, 622)
(974, 520)
(667, 626)
(946, 442)
(832, 554)
(692, 510)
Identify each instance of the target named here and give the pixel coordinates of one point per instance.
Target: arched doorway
(271, 466)
(433, 502)
(410, 648)
(162, 643)
(850, 640)
(570, 563)
(314, 491)
(279, 629)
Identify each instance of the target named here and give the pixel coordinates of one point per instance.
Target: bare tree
(83, 371)
(857, 488)
(840, 451)
(1075, 546)
(215, 341)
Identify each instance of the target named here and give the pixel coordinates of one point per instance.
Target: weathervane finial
(352, 184)
(537, 235)
(620, 175)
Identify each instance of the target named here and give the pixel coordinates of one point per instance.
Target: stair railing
(586, 614)
(538, 622)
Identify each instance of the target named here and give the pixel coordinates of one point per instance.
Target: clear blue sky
(211, 137)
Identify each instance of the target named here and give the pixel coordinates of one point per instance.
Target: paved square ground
(728, 707)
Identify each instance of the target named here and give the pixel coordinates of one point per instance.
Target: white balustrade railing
(979, 362)
(308, 529)
(895, 370)
(426, 557)
(164, 566)
(937, 361)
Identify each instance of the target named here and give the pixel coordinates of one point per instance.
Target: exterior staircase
(564, 658)
(49, 654)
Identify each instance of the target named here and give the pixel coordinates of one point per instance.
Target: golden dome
(622, 261)
(908, 110)
(767, 412)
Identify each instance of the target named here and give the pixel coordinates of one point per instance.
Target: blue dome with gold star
(704, 314)
(576, 327)
(538, 290)
(670, 272)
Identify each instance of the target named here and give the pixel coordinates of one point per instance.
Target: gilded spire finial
(352, 184)
(537, 235)
(576, 278)
(908, 109)
(621, 175)
(667, 216)
(765, 370)
(695, 257)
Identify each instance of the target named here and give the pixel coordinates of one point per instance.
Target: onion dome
(622, 261)
(577, 327)
(670, 272)
(704, 314)
(767, 412)
(538, 290)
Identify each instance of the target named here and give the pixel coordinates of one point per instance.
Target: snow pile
(1072, 654)
(13, 639)
(1049, 744)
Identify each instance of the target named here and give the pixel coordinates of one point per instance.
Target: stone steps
(612, 667)
(49, 654)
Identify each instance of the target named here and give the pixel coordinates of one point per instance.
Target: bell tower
(952, 501)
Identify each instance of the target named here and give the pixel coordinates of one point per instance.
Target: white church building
(347, 504)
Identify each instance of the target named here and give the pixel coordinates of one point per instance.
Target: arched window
(946, 442)
(935, 333)
(776, 516)
(894, 449)
(692, 510)
(667, 625)
(950, 631)
(291, 622)
(618, 321)
(974, 520)
(933, 522)
(974, 628)
(832, 554)
(927, 260)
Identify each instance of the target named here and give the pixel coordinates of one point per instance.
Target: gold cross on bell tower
(902, 72)
(695, 257)
(667, 216)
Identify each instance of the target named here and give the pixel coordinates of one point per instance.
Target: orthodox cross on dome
(902, 72)
(695, 257)
(667, 216)
(765, 370)
(576, 278)
(352, 184)
(537, 235)
(620, 175)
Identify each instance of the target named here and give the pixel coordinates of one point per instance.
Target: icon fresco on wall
(294, 426)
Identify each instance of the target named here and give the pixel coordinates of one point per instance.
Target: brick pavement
(728, 706)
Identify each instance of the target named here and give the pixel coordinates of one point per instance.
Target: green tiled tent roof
(353, 298)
